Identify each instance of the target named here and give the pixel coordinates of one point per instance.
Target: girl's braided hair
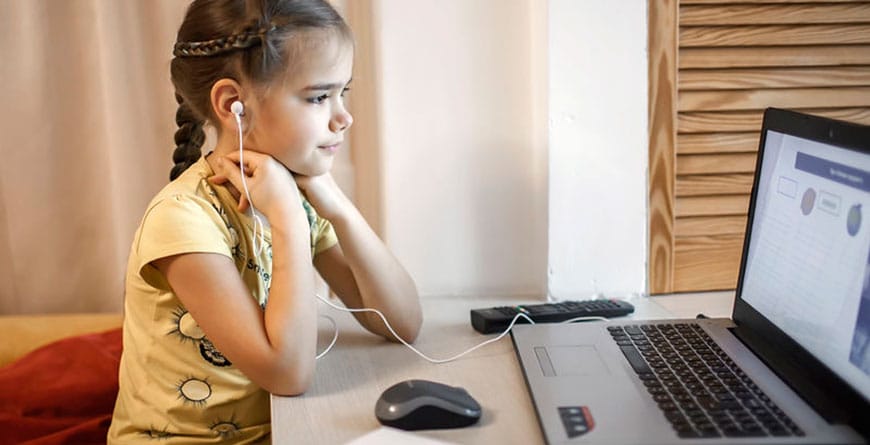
(235, 39)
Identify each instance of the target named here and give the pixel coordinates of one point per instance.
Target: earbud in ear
(237, 108)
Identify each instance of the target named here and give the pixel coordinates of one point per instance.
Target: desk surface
(339, 406)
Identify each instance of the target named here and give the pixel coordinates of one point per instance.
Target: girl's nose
(341, 121)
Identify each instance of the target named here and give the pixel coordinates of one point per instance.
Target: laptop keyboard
(700, 390)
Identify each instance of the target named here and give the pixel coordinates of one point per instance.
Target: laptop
(792, 365)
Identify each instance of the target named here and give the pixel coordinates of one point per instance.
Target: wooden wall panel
(717, 2)
(769, 78)
(662, 41)
(711, 225)
(712, 205)
(759, 99)
(717, 163)
(774, 35)
(734, 58)
(727, 124)
(706, 262)
(770, 14)
(774, 56)
(718, 142)
(705, 185)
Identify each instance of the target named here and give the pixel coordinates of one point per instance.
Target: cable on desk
(424, 356)
(334, 336)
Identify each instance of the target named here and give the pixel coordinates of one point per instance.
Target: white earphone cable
(258, 223)
(334, 336)
(424, 356)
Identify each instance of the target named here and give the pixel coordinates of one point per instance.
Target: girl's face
(302, 121)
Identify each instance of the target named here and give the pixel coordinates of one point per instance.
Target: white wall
(597, 148)
(462, 176)
(462, 92)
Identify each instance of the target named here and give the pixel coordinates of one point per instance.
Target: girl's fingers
(252, 160)
(243, 203)
(259, 171)
(227, 171)
(217, 179)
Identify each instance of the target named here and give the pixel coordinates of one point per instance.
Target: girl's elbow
(290, 387)
(288, 392)
(410, 329)
(417, 325)
(411, 336)
(291, 381)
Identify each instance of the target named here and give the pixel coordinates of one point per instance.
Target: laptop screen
(807, 265)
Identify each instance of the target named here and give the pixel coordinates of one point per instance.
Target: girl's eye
(319, 99)
(344, 91)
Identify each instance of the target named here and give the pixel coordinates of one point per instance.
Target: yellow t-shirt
(174, 384)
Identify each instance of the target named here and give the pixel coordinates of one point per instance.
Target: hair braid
(188, 139)
(213, 47)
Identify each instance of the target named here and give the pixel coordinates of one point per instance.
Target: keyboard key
(635, 359)
(700, 390)
(688, 433)
(709, 432)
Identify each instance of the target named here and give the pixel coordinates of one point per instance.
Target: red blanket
(61, 393)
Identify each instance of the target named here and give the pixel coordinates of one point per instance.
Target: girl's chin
(309, 170)
(316, 168)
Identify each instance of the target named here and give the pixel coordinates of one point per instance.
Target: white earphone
(237, 108)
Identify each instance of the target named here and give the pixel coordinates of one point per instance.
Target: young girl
(220, 305)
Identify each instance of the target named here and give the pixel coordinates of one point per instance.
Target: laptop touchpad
(570, 360)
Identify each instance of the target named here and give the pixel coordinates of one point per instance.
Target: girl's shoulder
(191, 185)
(189, 198)
(186, 216)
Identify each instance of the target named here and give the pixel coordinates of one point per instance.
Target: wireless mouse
(424, 405)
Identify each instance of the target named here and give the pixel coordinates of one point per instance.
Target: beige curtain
(86, 126)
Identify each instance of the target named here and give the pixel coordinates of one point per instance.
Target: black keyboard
(700, 390)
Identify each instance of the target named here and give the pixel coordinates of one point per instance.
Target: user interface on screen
(808, 264)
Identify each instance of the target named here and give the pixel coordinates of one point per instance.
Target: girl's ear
(223, 93)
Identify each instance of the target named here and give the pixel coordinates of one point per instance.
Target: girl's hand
(272, 188)
(324, 194)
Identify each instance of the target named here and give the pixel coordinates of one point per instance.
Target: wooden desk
(339, 406)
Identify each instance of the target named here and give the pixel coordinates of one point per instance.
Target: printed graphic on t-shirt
(186, 330)
(226, 429)
(211, 354)
(194, 391)
(156, 434)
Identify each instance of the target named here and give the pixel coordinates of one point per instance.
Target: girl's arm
(275, 348)
(360, 269)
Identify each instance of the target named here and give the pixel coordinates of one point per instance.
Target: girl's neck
(226, 144)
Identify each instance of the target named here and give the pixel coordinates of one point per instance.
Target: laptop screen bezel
(829, 394)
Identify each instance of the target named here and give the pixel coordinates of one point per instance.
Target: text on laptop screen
(808, 265)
